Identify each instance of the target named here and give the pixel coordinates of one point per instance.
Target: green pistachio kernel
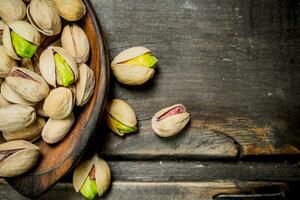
(63, 71)
(89, 189)
(23, 48)
(145, 60)
(122, 128)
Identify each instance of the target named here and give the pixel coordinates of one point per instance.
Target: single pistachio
(76, 42)
(134, 66)
(59, 104)
(28, 84)
(85, 85)
(16, 117)
(3, 101)
(56, 129)
(6, 63)
(170, 121)
(11, 10)
(120, 117)
(20, 39)
(30, 133)
(44, 17)
(71, 10)
(17, 157)
(13, 97)
(92, 177)
(58, 67)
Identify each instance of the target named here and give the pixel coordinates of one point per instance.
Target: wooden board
(58, 159)
(157, 191)
(234, 64)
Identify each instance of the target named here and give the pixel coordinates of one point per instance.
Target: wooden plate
(58, 159)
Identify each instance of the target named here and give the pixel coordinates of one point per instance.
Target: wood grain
(58, 159)
(234, 64)
(157, 191)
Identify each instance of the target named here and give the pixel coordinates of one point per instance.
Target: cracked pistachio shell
(56, 129)
(27, 84)
(76, 42)
(71, 10)
(3, 101)
(170, 121)
(59, 104)
(44, 17)
(120, 117)
(16, 117)
(11, 10)
(130, 74)
(22, 29)
(102, 174)
(6, 63)
(85, 85)
(30, 133)
(17, 157)
(13, 97)
(47, 65)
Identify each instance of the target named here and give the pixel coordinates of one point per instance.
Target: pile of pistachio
(39, 87)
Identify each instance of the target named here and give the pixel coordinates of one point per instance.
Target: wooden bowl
(58, 159)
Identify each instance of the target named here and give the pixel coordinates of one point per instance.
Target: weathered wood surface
(234, 64)
(154, 190)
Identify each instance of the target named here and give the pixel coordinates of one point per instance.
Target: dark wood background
(235, 65)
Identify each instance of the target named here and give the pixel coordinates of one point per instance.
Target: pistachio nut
(92, 177)
(44, 17)
(3, 101)
(170, 121)
(28, 84)
(76, 42)
(20, 39)
(56, 129)
(16, 117)
(58, 67)
(6, 63)
(13, 97)
(71, 10)
(11, 10)
(134, 66)
(17, 157)
(85, 85)
(59, 104)
(120, 117)
(30, 133)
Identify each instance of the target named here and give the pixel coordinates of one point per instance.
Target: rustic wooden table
(235, 65)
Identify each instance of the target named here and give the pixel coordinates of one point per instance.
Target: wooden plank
(153, 190)
(233, 63)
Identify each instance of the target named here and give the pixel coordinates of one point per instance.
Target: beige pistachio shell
(6, 63)
(28, 84)
(131, 74)
(30, 133)
(122, 111)
(172, 124)
(47, 64)
(24, 156)
(16, 117)
(85, 85)
(129, 54)
(71, 10)
(44, 17)
(3, 101)
(11, 10)
(59, 104)
(56, 129)
(102, 174)
(13, 97)
(76, 42)
(25, 30)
